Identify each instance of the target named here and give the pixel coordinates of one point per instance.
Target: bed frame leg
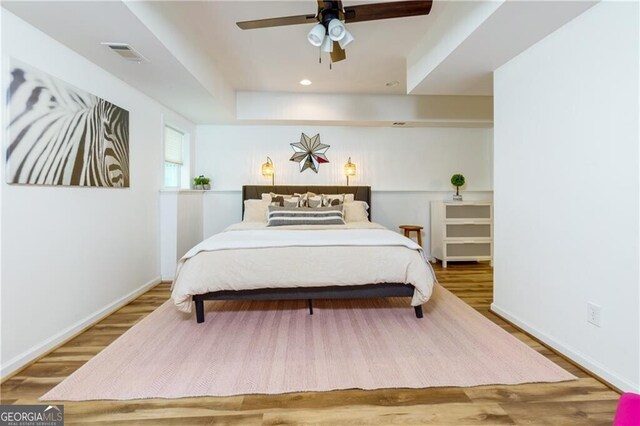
(199, 311)
(310, 305)
(418, 310)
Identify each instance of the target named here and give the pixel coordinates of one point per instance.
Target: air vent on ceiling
(126, 52)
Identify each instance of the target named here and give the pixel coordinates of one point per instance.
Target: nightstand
(461, 230)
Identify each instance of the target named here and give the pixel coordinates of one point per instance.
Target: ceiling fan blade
(277, 22)
(399, 9)
(338, 54)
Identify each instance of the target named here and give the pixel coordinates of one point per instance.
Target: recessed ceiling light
(305, 82)
(392, 83)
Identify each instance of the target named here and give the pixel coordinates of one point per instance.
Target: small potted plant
(197, 182)
(205, 183)
(201, 183)
(457, 180)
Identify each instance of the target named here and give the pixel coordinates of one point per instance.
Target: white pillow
(356, 211)
(314, 201)
(255, 211)
(349, 198)
(330, 199)
(292, 202)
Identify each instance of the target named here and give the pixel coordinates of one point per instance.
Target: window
(174, 158)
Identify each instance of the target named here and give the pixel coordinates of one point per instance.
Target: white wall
(181, 227)
(339, 109)
(406, 167)
(71, 253)
(567, 191)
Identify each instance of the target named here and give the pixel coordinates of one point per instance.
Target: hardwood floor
(582, 402)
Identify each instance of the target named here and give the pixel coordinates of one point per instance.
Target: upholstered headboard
(254, 192)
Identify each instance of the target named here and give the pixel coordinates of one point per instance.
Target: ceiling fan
(330, 33)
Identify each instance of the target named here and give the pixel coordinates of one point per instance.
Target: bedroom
(503, 97)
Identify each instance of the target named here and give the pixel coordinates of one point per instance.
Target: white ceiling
(200, 58)
(165, 78)
(276, 59)
(509, 30)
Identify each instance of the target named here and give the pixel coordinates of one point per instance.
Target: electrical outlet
(594, 314)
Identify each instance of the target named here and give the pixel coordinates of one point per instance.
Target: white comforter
(250, 255)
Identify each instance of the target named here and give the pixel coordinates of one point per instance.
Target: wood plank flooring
(582, 402)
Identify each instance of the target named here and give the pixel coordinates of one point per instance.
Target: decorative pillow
(302, 198)
(285, 200)
(356, 211)
(314, 201)
(336, 199)
(255, 211)
(277, 199)
(332, 199)
(292, 202)
(279, 216)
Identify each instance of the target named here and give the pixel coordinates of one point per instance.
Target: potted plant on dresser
(457, 180)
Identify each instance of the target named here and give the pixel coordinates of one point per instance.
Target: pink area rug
(277, 347)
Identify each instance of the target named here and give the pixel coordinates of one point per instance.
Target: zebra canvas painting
(58, 134)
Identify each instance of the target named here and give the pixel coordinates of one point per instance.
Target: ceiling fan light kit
(330, 32)
(344, 41)
(316, 35)
(327, 45)
(337, 29)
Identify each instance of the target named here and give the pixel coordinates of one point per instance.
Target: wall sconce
(349, 170)
(268, 170)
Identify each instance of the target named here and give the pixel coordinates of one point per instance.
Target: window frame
(183, 169)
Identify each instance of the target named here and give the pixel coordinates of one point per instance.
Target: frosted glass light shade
(316, 35)
(348, 38)
(327, 45)
(337, 30)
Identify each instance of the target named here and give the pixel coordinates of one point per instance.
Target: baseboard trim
(572, 355)
(28, 357)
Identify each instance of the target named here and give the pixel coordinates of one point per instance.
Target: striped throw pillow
(280, 216)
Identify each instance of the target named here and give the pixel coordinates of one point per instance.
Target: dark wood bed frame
(361, 193)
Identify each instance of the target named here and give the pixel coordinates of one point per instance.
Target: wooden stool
(408, 229)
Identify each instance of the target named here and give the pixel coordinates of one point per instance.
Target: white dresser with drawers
(461, 230)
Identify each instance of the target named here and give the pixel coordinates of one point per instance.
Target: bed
(251, 261)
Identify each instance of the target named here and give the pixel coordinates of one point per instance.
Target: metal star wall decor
(309, 152)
